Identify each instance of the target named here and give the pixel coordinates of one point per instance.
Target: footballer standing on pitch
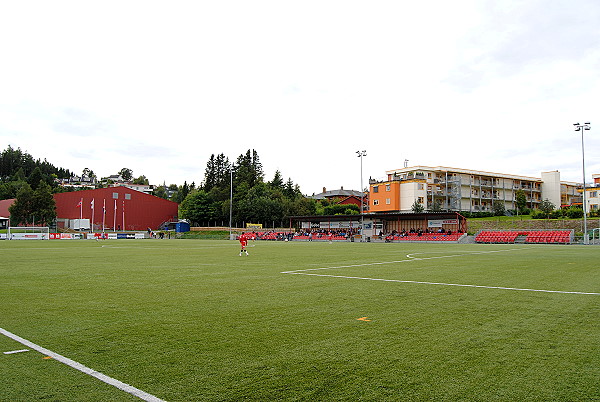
(243, 242)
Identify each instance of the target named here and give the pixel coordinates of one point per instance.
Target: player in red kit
(243, 242)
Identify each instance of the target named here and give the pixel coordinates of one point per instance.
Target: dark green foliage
(17, 168)
(478, 214)
(254, 200)
(217, 173)
(521, 201)
(141, 180)
(199, 206)
(126, 174)
(573, 212)
(499, 209)
(161, 191)
(417, 207)
(33, 206)
(18, 165)
(342, 209)
(277, 182)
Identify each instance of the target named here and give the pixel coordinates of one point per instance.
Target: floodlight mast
(583, 127)
(230, 200)
(361, 154)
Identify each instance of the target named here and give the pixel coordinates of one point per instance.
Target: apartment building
(456, 189)
(592, 194)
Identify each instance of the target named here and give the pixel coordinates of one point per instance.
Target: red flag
(80, 204)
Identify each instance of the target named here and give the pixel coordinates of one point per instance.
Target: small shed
(179, 227)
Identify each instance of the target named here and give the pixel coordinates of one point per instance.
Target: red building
(117, 208)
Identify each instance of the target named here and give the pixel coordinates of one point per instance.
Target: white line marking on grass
(78, 366)
(411, 259)
(409, 256)
(16, 351)
(445, 284)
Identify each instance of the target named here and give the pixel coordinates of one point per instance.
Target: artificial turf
(192, 320)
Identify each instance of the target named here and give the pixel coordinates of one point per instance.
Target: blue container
(182, 227)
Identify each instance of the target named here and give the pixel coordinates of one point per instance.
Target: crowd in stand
(348, 233)
(326, 233)
(419, 232)
(416, 234)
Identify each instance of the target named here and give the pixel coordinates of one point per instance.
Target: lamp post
(362, 195)
(230, 199)
(583, 127)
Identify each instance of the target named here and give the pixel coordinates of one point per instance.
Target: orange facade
(384, 196)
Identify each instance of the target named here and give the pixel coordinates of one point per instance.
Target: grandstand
(525, 236)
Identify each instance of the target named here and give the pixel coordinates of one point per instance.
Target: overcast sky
(157, 87)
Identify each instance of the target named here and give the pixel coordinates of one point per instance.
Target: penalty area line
(86, 370)
(445, 284)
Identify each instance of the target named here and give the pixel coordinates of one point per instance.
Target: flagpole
(123, 214)
(115, 217)
(92, 224)
(103, 214)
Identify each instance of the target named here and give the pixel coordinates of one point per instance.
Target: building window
(127, 196)
(420, 200)
(387, 187)
(375, 189)
(388, 201)
(420, 186)
(116, 196)
(375, 202)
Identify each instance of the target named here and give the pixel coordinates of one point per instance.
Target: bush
(556, 214)
(468, 214)
(574, 213)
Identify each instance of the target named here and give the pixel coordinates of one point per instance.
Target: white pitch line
(409, 256)
(16, 351)
(446, 284)
(78, 366)
(411, 259)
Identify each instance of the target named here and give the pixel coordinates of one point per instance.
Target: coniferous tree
(35, 177)
(21, 211)
(277, 182)
(44, 205)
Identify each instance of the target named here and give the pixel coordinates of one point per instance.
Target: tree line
(239, 191)
(252, 199)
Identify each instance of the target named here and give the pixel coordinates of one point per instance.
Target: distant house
(144, 188)
(116, 180)
(77, 182)
(342, 196)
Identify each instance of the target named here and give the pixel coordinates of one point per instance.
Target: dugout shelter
(382, 224)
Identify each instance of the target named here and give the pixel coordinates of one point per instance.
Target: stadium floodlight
(230, 200)
(583, 127)
(361, 154)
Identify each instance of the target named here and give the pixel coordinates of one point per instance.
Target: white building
(457, 189)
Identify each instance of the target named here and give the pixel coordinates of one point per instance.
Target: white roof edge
(461, 170)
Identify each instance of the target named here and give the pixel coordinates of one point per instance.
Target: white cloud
(159, 87)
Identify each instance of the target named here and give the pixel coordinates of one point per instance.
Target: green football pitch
(185, 320)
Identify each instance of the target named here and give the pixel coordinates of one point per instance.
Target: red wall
(142, 211)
